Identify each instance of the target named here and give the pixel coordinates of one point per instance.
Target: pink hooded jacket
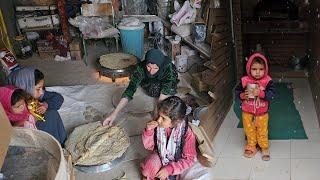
(256, 106)
(5, 99)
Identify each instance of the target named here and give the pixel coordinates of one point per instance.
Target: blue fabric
(53, 124)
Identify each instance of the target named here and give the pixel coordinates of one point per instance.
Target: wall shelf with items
(203, 48)
(37, 18)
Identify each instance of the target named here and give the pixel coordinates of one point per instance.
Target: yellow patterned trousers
(256, 130)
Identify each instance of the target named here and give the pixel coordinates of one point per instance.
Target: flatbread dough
(117, 60)
(94, 144)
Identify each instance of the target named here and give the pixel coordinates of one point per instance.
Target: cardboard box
(172, 47)
(100, 9)
(44, 45)
(5, 135)
(198, 84)
(48, 54)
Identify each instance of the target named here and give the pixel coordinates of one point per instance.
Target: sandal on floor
(265, 155)
(249, 152)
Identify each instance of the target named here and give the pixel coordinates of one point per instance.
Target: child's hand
(151, 125)
(162, 174)
(247, 94)
(42, 108)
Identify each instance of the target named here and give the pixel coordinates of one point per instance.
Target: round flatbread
(117, 60)
(93, 144)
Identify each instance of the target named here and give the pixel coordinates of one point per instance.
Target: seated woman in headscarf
(32, 81)
(13, 101)
(156, 75)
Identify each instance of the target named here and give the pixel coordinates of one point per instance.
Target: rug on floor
(284, 119)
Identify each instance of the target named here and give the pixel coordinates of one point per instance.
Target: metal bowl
(114, 73)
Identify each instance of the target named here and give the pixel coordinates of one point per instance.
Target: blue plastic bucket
(132, 39)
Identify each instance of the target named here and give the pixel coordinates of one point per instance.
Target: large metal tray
(102, 167)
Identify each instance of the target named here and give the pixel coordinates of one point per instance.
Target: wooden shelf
(276, 27)
(285, 72)
(277, 31)
(203, 48)
(40, 29)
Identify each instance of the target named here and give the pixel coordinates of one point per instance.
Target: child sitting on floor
(171, 141)
(255, 91)
(13, 101)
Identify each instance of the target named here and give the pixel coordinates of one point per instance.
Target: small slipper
(249, 152)
(265, 155)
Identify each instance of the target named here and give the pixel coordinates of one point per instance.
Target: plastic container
(181, 62)
(132, 39)
(164, 8)
(199, 32)
(33, 38)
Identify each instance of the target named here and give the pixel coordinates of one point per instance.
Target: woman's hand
(109, 120)
(162, 174)
(151, 125)
(42, 108)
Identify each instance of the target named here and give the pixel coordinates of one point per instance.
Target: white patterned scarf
(167, 149)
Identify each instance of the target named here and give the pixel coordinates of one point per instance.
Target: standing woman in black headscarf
(156, 75)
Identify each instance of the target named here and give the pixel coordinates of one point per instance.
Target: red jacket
(256, 106)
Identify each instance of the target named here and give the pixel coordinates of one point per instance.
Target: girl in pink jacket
(255, 91)
(171, 141)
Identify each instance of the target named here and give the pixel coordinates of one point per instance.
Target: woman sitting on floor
(32, 81)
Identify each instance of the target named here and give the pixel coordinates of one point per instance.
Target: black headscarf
(155, 56)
